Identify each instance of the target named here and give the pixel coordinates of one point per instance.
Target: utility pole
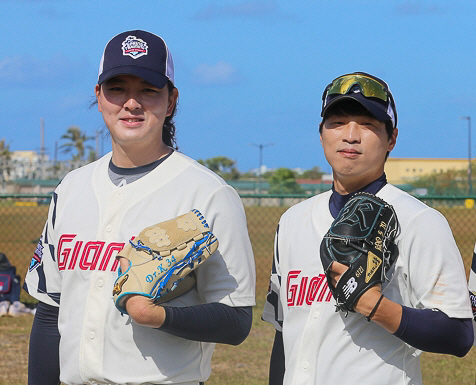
(470, 176)
(42, 148)
(260, 147)
(56, 165)
(97, 144)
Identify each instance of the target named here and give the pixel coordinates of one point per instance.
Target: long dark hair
(168, 129)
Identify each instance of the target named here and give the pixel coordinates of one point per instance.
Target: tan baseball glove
(162, 257)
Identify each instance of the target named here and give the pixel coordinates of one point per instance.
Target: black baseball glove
(472, 297)
(361, 237)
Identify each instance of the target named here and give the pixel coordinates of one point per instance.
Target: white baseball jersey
(325, 347)
(472, 289)
(90, 219)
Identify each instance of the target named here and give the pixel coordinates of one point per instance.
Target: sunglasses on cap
(369, 86)
(368, 90)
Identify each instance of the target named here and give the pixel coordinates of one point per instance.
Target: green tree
(223, 166)
(233, 174)
(5, 154)
(313, 173)
(450, 182)
(76, 141)
(92, 156)
(283, 181)
(220, 164)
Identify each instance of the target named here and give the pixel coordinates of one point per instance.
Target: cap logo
(134, 47)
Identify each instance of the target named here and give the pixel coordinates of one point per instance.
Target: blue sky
(249, 72)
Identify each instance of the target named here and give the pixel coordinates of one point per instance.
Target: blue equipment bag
(9, 281)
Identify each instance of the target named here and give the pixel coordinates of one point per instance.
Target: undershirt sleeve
(210, 322)
(276, 365)
(433, 331)
(43, 355)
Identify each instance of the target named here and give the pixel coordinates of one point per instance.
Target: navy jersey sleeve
(433, 331)
(43, 356)
(276, 365)
(211, 322)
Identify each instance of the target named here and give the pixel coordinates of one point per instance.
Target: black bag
(9, 281)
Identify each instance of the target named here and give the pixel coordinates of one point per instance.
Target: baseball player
(78, 335)
(472, 290)
(420, 307)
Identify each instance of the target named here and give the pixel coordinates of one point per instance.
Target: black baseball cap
(368, 90)
(137, 53)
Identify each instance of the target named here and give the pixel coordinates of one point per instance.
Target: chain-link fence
(22, 219)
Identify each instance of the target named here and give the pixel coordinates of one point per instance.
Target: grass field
(246, 364)
(20, 228)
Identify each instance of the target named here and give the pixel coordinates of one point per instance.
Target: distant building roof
(36, 182)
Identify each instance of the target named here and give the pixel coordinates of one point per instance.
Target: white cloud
(28, 71)
(246, 9)
(412, 7)
(222, 73)
(11, 70)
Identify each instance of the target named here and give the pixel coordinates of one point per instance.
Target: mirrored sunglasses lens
(369, 87)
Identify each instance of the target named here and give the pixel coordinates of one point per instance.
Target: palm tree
(76, 140)
(4, 150)
(5, 156)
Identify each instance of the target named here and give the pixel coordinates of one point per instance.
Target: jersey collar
(337, 201)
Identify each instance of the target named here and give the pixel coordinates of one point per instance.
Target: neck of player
(347, 184)
(129, 156)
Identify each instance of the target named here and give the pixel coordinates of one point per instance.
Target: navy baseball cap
(137, 53)
(371, 92)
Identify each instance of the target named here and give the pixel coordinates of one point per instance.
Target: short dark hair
(351, 107)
